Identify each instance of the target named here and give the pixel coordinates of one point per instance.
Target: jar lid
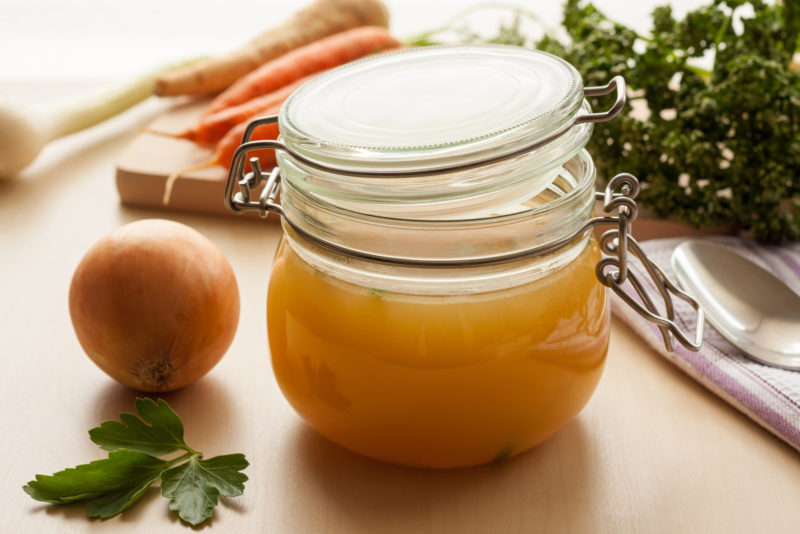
(421, 108)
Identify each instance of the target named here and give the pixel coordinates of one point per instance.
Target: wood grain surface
(653, 452)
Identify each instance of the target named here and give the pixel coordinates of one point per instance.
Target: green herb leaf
(711, 148)
(163, 435)
(122, 471)
(717, 148)
(194, 487)
(115, 502)
(114, 484)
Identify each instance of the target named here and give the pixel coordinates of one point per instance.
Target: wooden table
(652, 452)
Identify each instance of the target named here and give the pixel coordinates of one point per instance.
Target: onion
(154, 304)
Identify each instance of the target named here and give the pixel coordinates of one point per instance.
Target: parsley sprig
(134, 463)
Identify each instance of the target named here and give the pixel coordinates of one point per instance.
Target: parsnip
(320, 19)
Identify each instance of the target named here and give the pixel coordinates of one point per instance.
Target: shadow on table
(201, 406)
(536, 487)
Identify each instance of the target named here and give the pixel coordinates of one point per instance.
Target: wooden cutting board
(145, 165)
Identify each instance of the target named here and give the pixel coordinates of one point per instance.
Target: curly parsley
(712, 148)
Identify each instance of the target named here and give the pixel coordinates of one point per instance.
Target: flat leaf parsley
(192, 484)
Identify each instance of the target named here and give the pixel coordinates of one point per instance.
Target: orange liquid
(437, 381)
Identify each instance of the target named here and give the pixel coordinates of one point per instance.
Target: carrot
(324, 54)
(223, 154)
(320, 19)
(228, 144)
(211, 128)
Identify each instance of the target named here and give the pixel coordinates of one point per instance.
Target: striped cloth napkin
(769, 396)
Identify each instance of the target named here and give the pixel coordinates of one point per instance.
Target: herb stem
(191, 452)
(179, 459)
(721, 32)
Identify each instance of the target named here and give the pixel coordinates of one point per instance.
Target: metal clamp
(617, 244)
(618, 83)
(237, 166)
(240, 201)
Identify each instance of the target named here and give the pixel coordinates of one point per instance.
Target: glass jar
(437, 298)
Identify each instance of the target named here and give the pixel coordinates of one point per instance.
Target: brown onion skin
(154, 304)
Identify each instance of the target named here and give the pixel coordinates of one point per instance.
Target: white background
(102, 39)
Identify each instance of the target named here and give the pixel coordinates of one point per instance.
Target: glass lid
(422, 108)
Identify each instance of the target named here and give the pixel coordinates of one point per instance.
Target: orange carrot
(320, 19)
(324, 54)
(228, 145)
(211, 128)
(223, 154)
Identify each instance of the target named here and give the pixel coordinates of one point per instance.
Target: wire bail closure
(613, 271)
(617, 244)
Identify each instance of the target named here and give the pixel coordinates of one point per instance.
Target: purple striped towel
(769, 396)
